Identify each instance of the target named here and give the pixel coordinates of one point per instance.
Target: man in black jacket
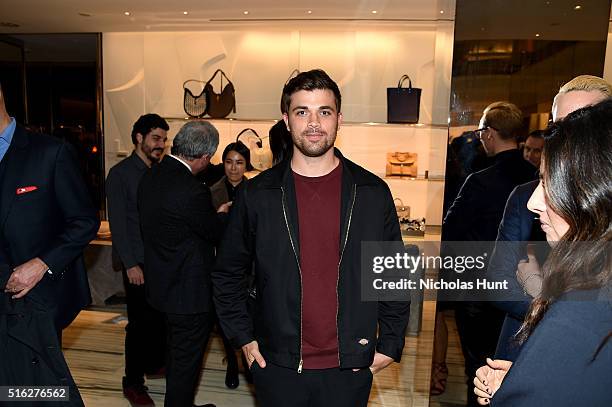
(145, 336)
(312, 341)
(180, 229)
(475, 216)
(46, 220)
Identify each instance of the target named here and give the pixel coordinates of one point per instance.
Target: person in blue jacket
(566, 359)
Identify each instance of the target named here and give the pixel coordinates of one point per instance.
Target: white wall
(144, 71)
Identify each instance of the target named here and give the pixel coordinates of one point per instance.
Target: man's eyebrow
(306, 108)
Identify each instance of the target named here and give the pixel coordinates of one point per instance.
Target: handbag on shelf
(220, 105)
(401, 164)
(403, 104)
(261, 157)
(194, 106)
(403, 211)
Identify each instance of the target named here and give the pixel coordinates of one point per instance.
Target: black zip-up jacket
(263, 230)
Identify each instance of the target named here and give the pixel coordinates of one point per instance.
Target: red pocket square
(25, 190)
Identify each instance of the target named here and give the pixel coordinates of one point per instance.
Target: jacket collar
(280, 175)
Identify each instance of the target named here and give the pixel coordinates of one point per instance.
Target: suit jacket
(516, 227)
(53, 218)
(180, 229)
(478, 209)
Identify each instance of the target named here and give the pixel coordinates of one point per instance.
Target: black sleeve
(234, 260)
(460, 216)
(505, 258)
(392, 315)
(80, 220)
(116, 197)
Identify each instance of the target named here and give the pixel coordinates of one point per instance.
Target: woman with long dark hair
(566, 359)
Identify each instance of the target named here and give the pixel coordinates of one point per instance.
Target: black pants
(145, 336)
(187, 338)
(479, 325)
(277, 386)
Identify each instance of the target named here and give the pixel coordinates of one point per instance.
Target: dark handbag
(195, 106)
(403, 104)
(220, 104)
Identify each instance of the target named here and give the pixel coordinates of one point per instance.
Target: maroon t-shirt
(318, 204)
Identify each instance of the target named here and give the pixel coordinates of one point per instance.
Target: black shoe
(231, 376)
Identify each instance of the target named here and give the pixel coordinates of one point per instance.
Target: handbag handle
(402, 79)
(291, 75)
(192, 80)
(222, 75)
(259, 140)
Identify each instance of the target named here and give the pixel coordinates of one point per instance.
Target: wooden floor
(93, 346)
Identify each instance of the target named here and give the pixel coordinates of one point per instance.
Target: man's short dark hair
(310, 80)
(536, 134)
(146, 123)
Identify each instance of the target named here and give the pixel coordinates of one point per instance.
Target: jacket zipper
(348, 227)
(299, 370)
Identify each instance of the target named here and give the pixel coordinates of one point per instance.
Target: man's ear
(286, 120)
(139, 138)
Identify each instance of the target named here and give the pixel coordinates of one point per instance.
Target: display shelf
(345, 123)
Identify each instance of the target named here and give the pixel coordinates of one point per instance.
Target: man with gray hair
(180, 229)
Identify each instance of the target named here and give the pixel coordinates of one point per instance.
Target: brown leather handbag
(220, 105)
(402, 164)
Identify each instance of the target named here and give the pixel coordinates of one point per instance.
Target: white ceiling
(515, 19)
(163, 15)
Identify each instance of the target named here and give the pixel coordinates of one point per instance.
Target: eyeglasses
(481, 131)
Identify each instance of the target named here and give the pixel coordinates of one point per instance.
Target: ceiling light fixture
(127, 13)
(577, 7)
(441, 11)
(374, 11)
(245, 12)
(309, 11)
(537, 35)
(185, 12)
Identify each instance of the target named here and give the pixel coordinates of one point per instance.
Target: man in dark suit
(475, 216)
(180, 229)
(145, 338)
(46, 220)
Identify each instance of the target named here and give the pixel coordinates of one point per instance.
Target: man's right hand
(251, 353)
(135, 275)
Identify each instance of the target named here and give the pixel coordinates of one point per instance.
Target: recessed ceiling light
(245, 12)
(127, 13)
(309, 11)
(185, 12)
(441, 11)
(577, 7)
(537, 35)
(374, 11)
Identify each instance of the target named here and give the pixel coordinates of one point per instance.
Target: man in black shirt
(145, 332)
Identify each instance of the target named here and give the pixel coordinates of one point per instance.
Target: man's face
(532, 151)
(565, 103)
(313, 121)
(153, 144)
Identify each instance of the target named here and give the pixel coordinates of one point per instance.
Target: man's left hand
(380, 362)
(25, 277)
